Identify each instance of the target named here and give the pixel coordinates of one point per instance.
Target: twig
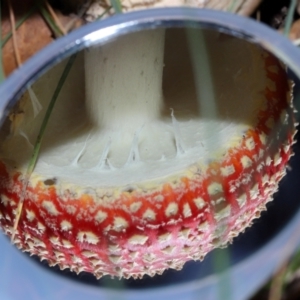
(80, 14)
(55, 18)
(258, 16)
(14, 37)
(277, 284)
(18, 24)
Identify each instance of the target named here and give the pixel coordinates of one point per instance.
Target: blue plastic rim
(49, 286)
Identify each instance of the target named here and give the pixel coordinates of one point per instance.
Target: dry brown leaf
(33, 35)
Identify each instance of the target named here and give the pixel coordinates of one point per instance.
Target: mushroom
(136, 173)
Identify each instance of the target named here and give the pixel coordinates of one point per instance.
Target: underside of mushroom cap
(150, 223)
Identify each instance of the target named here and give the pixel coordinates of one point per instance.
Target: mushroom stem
(124, 81)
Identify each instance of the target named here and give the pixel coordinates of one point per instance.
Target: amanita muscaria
(132, 177)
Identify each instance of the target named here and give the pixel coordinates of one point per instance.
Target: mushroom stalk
(124, 81)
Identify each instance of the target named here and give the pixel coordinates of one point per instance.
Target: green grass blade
(104, 13)
(221, 265)
(289, 18)
(207, 102)
(38, 143)
(202, 72)
(116, 4)
(232, 6)
(18, 24)
(48, 18)
(2, 76)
